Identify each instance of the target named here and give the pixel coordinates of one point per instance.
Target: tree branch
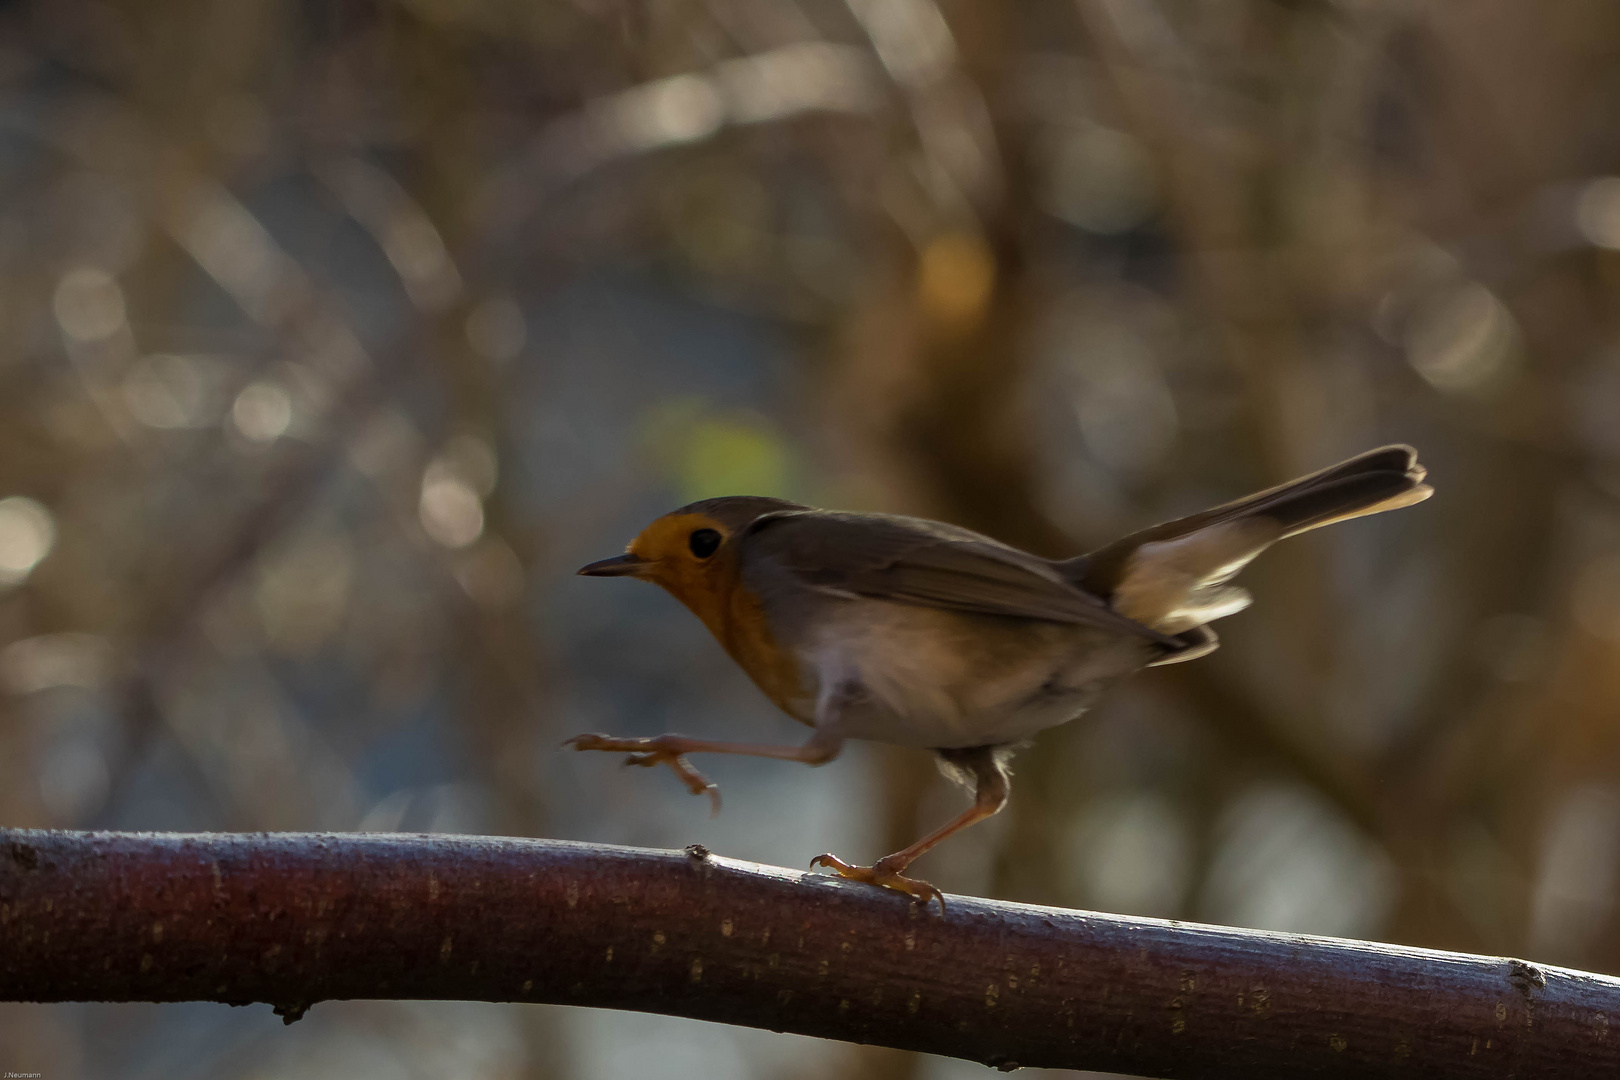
(294, 919)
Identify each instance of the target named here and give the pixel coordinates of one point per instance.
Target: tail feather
(1173, 576)
(1340, 500)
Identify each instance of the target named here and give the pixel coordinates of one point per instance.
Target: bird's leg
(991, 786)
(671, 750)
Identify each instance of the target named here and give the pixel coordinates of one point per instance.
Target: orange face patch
(672, 547)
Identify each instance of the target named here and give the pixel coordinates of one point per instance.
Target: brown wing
(912, 561)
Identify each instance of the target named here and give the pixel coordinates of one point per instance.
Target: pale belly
(917, 676)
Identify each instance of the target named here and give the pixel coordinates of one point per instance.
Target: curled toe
(884, 876)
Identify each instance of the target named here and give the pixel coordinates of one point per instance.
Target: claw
(883, 876)
(695, 782)
(647, 753)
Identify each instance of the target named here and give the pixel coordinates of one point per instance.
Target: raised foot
(663, 750)
(888, 878)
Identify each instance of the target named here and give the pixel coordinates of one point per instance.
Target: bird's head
(691, 551)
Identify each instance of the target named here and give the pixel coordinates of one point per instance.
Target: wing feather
(912, 561)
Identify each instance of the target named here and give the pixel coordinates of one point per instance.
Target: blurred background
(335, 336)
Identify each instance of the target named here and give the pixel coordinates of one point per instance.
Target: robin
(918, 633)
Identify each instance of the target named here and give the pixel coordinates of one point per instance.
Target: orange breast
(736, 619)
(775, 670)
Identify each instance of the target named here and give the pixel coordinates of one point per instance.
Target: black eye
(704, 542)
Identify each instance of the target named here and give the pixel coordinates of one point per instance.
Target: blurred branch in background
(297, 919)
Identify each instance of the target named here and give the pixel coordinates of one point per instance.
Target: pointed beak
(625, 565)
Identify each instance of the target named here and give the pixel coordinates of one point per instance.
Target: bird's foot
(663, 750)
(889, 877)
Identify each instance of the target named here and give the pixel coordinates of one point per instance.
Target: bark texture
(295, 919)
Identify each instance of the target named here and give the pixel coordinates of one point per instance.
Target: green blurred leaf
(707, 454)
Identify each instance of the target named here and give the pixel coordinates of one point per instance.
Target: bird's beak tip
(619, 566)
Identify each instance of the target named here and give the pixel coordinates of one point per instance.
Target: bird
(923, 634)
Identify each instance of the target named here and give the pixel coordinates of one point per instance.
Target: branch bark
(294, 919)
